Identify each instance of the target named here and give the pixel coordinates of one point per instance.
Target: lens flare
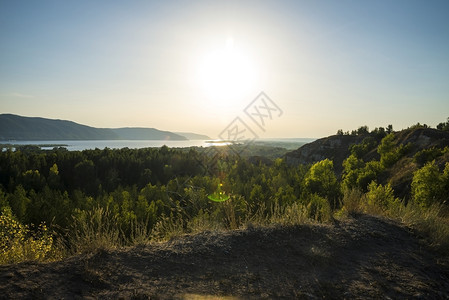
(218, 195)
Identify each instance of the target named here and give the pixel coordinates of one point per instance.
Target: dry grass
(292, 214)
(352, 203)
(431, 223)
(227, 218)
(99, 229)
(93, 230)
(168, 227)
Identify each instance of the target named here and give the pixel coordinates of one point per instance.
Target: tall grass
(99, 228)
(227, 217)
(168, 227)
(94, 229)
(352, 202)
(430, 223)
(292, 214)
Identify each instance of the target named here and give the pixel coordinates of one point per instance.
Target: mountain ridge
(15, 127)
(194, 136)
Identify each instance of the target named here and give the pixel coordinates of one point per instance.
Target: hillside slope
(414, 140)
(335, 147)
(366, 257)
(13, 127)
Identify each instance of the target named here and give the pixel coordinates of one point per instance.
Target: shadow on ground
(363, 257)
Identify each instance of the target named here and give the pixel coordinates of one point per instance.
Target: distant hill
(14, 127)
(193, 136)
(136, 133)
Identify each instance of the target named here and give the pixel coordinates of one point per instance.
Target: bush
(319, 209)
(359, 150)
(19, 243)
(352, 199)
(428, 185)
(427, 155)
(380, 199)
(357, 174)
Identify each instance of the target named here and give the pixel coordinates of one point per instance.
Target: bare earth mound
(364, 257)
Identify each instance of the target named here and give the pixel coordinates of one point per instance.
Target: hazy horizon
(195, 66)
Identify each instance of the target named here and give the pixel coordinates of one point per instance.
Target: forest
(56, 203)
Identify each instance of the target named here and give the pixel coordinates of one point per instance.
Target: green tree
(363, 130)
(359, 150)
(368, 174)
(32, 179)
(54, 181)
(445, 180)
(19, 203)
(428, 185)
(389, 129)
(379, 132)
(3, 199)
(84, 176)
(351, 170)
(444, 125)
(389, 152)
(321, 180)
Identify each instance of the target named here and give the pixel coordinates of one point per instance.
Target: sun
(226, 74)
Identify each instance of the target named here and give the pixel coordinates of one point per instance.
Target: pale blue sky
(327, 64)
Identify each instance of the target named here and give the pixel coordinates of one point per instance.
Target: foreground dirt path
(365, 257)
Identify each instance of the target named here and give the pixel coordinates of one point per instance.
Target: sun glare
(226, 74)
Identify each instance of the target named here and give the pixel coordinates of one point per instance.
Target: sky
(196, 66)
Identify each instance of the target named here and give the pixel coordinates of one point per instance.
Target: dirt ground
(363, 257)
